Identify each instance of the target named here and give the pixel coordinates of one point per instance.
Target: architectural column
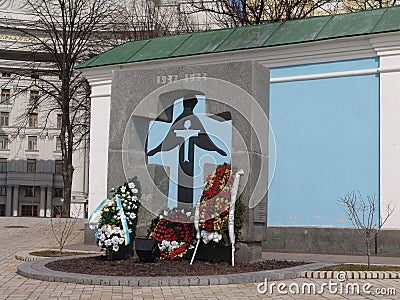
(49, 201)
(99, 135)
(42, 204)
(389, 66)
(9, 201)
(15, 200)
(80, 182)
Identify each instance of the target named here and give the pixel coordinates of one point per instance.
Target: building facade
(333, 108)
(31, 182)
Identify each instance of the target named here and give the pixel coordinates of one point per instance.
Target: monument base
(245, 252)
(214, 253)
(125, 252)
(89, 235)
(248, 252)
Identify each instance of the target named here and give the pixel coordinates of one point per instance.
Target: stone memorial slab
(171, 126)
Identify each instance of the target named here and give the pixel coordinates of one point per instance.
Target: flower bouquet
(174, 232)
(110, 238)
(117, 224)
(214, 207)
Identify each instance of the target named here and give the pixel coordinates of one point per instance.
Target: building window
(32, 143)
(58, 144)
(4, 118)
(3, 190)
(59, 167)
(58, 192)
(5, 96)
(3, 142)
(59, 121)
(29, 192)
(33, 120)
(31, 166)
(3, 165)
(29, 210)
(34, 97)
(6, 74)
(2, 210)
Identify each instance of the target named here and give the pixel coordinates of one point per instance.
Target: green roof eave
(251, 37)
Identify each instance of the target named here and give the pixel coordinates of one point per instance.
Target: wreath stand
(231, 225)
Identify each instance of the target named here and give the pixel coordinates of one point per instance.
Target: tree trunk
(66, 207)
(369, 255)
(67, 138)
(67, 174)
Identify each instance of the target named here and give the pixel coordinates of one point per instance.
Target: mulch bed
(99, 265)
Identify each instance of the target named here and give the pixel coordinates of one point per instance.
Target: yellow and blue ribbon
(96, 212)
(124, 222)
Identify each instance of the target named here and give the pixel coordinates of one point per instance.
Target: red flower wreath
(173, 225)
(215, 200)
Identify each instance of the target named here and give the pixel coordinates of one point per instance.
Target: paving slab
(38, 235)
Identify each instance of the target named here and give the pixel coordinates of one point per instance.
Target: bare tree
(231, 13)
(357, 5)
(61, 34)
(143, 19)
(363, 213)
(62, 228)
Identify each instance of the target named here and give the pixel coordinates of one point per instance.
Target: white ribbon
(210, 236)
(93, 220)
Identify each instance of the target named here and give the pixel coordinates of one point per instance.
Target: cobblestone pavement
(38, 234)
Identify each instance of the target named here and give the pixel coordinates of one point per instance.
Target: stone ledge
(26, 256)
(345, 275)
(37, 269)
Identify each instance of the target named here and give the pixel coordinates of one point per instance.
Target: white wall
(99, 134)
(389, 129)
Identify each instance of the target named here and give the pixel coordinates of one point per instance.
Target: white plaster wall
(390, 138)
(80, 178)
(99, 134)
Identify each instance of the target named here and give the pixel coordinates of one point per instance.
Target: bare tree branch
(64, 33)
(363, 215)
(68, 32)
(62, 228)
(233, 13)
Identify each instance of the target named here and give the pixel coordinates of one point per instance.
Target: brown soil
(55, 253)
(98, 265)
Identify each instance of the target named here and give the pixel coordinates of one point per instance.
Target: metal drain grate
(15, 226)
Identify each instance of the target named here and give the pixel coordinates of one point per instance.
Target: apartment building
(31, 182)
(31, 164)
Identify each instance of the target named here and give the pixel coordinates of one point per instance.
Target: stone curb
(37, 269)
(26, 256)
(344, 275)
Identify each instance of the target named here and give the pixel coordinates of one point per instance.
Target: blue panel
(345, 65)
(219, 132)
(327, 139)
